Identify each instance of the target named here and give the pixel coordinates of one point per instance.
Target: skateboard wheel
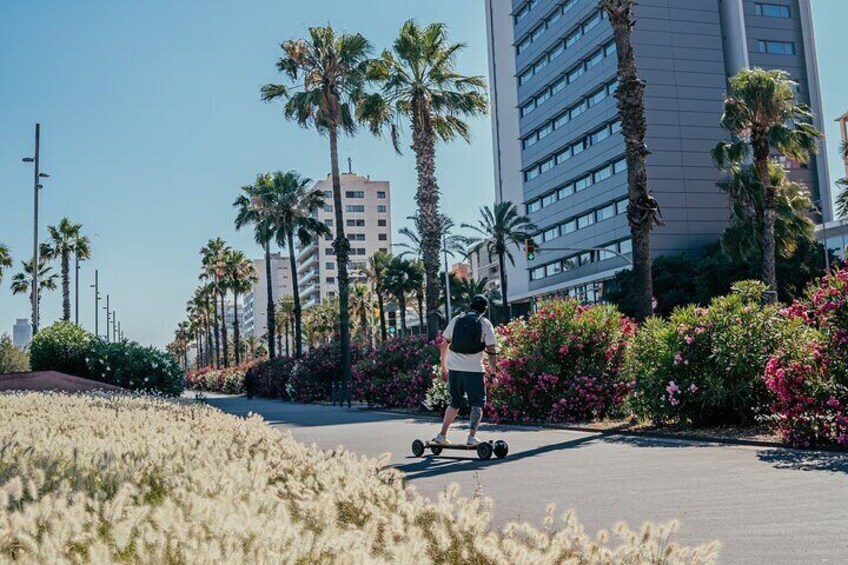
(501, 449)
(484, 451)
(436, 449)
(418, 448)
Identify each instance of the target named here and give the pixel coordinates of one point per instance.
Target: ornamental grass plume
(117, 479)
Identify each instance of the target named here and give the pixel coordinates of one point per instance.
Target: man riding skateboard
(466, 339)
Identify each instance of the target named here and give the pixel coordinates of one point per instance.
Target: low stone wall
(51, 380)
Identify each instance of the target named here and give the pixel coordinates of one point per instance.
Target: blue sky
(151, 121)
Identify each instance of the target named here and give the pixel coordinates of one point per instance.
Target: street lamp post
(96, 287)
(37, 176)
(108, 318)
(76, 289)
(447, 278)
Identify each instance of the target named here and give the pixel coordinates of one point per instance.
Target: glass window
(557, 50)
(603, 174)
(328, 194)
(595, 59)
(585, 220)
(329, 266)
(583, 183)
(354, 194)
(621, 207)
(605, 213)
(549, 199)
(553, 269)
(328, 208)
(771, 10)
(331, 280)
(530, 141)
(615, 127)
(572, 38)
(381, 223)
(534, 206)
(609, 49)
(575, 73)
(383, 237)
(585, 258)
(328, 237)
(596, 98)
(355, 208)
(550, 234)
(595, 20)
(545, 131)
(578, 147)
(620, 166)
(568, 5)
(523, 45)
(557, 86)
(540, 64)
(625, 247)
(600, 135)
(566, 190)
(547, 165)
(531, 174)
(381, 194)
(563, 155)
(357, 237)
(525, 76)
(577, 110)
(543, 97)
(777, 47)
(568, 227)
(554, 17)
(527, 108)
(522, 13)
(562, 120)
(328, 223)
(534, 35)
(381, 208)
(329, 251)
(538, 273)
(612, 87)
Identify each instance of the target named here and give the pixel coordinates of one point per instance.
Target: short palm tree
(326, 73)
(454, 244)
(501, 229)
(65, 240)
(212, 258)
(842, 198)
(378, 264)
(22, 281)
(643, 211)
(419, 83)
(762, 113)
(285, 319)
(239, 276)
(361, 306)
(292, 208)
(250, 211)
(402, 279)
(5, 259)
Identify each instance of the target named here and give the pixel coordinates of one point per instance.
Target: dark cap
(480, 303)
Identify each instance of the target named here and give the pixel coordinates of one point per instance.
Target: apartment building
(254, 311)
(559, 151)
(368, 226)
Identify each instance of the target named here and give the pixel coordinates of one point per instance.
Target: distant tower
(21, 333)
(843, 126)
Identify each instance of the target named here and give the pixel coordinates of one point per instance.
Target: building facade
(21, 333)
(559, 151)
(368, 227)
(484, 264)
(254, 311)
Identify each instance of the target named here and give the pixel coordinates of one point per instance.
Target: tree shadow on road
(805, 460)
(292, 414)
(647, 441)
(431, 466)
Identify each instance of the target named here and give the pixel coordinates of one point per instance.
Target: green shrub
(704, 366)
(12, 359)
(61, 347)
(132, 366)
(319, 370)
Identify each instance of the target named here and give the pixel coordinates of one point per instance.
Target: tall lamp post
(108, 318)
(96, 287)
(37, 176)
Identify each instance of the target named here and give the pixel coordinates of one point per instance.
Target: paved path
(769, 506)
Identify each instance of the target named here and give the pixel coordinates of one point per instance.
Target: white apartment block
(368, 227)
(253, 317)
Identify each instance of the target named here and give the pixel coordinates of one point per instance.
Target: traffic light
(530, 249)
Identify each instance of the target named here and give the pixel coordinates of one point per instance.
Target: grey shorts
(465, 383)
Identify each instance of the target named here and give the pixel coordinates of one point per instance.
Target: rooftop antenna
(349, 166)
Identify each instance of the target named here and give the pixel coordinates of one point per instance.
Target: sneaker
(473, 441)
(439, 440)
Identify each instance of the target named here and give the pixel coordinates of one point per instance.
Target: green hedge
(61, 347)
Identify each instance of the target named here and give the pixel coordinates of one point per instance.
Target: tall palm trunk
(381, 307)
(269, 285)
(286, 328)
(216, 329)
(427, 197)
(420, 297)
(342, 249)
(199, 350)
(402, 304)
(507, 307)
(209, 348)
(66, 287)
(642, 209)
(224, 329)
(298, 335)
(236, 335)
(767, 240)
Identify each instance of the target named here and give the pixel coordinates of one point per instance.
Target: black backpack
(468, 334)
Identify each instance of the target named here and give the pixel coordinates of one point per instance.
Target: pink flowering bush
(561, 364)
(808, 377)
(270, 378)
(704, 366)
(226, 380)
(398, 373)
(317, 372)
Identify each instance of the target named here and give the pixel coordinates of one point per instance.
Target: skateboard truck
(484, 450)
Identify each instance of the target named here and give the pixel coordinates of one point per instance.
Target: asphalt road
(770, 506)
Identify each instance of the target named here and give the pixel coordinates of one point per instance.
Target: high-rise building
(21, 333)
(368, 227)
(559, 152)
(254, 312)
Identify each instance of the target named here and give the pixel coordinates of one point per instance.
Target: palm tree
(454, 244)
(419, 83)
(66, 240)
(378, 264)
(643, 211)
(285, 318)
(250, 211)
(5, 259)
(763, 115)
(842, 198)
(402, 278)
(417, 279)
(291, 207)
(239, 276)
(327, 75)
(466, 289)
(500, 230)
(212, 259)
(22, 281)
(361, 305)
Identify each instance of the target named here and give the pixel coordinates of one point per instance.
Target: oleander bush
(61, 347)
(397, 373)
(561, 364)
(104, 479)
(704, 366)
(808, 376)
(318, 373)
(227, 380)
(12, 359)
(271, 377)
(135, 367)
